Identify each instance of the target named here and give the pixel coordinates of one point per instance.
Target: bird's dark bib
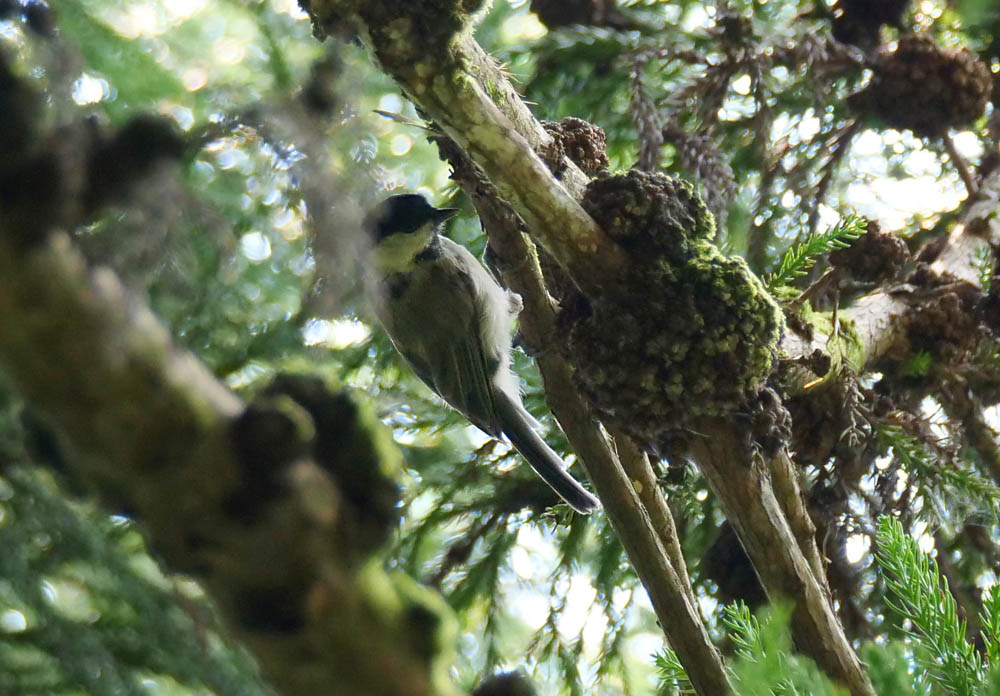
(431, 252)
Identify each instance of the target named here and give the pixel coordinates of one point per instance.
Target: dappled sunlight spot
(194, 79)
(902, 481)
(255, 246)
(290, 8)
(968, 144)
(707, 604)
(895, 201)
(922, 162)
(644, 643)
(288, 223)
(809, 127)
(524, 26)
(857, 547)
(742, 84)
(391, 103)
(181, 115)
(12, 621)
(986, 580)
(579, 614)
(70, 599)
(273, 197)
(696, 17)
(409, 437)
(992, 417)
(925, 539)
(337, 334)
(828, 216)
(88, 89)
(228, 50)
(401, 145)
(233, 158)
(534, 555)
(205, 172)
(183, 9)
(246, 375)
(870, 143)
(139, 19)
(532, 608)
(930, 9)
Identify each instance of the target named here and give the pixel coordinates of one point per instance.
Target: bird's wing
(464, 379)
(442, 341)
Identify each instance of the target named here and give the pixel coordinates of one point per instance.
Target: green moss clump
(303, 416)
(687, 331)
(407, 33)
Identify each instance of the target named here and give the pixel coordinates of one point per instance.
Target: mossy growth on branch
(400, 33)
(686, 331)
(303, 416)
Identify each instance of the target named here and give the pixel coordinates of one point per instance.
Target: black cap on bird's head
(404, 213)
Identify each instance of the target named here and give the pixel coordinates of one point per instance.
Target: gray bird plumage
(453, 323)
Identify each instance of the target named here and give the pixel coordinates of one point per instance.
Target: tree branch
(646, 531)
(253, 501)
(459, 87)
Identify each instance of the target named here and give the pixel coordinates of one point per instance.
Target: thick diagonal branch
(641, 520)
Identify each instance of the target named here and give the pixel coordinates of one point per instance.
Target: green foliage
(890, 669)
(84, 607)
(246, 249)
(951, 488)
(990, 621)
(802, 256)
(671, 676)
(976, 11)
(916, 365)
(765, 663)
(124, 63)
(983, 261)
(921, 596)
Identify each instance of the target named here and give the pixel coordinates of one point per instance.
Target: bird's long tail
(517, 427)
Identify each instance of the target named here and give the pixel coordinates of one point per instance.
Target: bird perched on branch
(453, 323)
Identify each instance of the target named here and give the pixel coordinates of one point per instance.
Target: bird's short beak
(442, 214)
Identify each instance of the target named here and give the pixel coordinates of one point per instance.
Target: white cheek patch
(395, 253)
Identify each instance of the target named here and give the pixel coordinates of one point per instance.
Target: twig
(670, 595)
(842, 144)
(637, 466)
(960, 165)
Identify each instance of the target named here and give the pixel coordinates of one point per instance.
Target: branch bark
(458, 87)
(641, 519)
(250, 500)
(451, 79)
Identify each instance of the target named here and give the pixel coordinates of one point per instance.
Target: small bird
(452, 323)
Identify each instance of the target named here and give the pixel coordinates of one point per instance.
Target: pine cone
(872, 257)
(925, 88)
(582, 142)
(857, 22)
(595, 13)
